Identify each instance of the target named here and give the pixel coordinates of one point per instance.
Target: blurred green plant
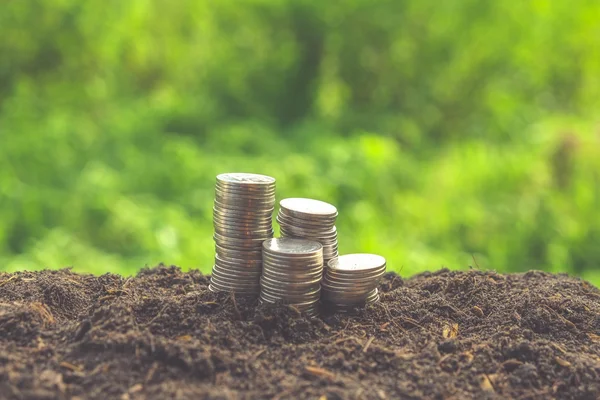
(448, 134)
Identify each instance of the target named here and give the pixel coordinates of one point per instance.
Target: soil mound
(162, 334)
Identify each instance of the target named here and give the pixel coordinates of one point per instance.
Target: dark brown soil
(162, 334)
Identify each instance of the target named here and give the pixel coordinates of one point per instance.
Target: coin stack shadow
(242, 219)
(312, 220)
(292, 273)
(351, 281)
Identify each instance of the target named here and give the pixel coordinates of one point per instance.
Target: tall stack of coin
(312, 220)
(351, 281)
(292, 272)
(243, 219)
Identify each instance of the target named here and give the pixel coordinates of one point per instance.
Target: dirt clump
(163, 334)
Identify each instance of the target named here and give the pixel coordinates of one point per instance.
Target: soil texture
(162, 335)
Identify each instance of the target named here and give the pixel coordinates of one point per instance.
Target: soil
(162, 334)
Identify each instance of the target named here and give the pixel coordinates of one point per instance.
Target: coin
(308, 208)
(310, 219)
(318, 225)
(292, 247)
(351, 281)
(357, 262)
(292, 272)
(244, 178)
(242, 220)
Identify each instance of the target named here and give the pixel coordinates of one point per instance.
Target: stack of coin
(292, 273)
(351, 281)
(243, 219)
(312, 220)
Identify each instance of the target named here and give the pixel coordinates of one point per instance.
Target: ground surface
(162, 334)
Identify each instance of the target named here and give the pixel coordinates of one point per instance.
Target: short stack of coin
(312, 220)
(242, 219)
(351, 281)
(292, 273)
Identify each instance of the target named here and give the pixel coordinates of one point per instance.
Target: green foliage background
(445, 132)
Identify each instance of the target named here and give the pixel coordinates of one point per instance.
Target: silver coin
(239, 202)
(248, 242)
(245, 179)
(245, 188)
(320, 228)
(242, 228)
(233, 279)
(303, 302)
(346, 298)
(292, 298)
(297, 262)
(240, 209)
(289, 290)
(292, 275)
(295, 258)
(293, 263)
(243, 225)
(239, 205)
(233, 220)
(329, 257)
(350, 290)
(307, 302)
(244, 194)
(330, 249)
(288, 269)
(311, 294)
(235, 247)
(330, 242)
(228, 286)
(233, 284)
(248, 191)
(287, 220)
(292, 270)
(245, 235)
(285, 284)
(331, 236)
(345, 285)
(357, 262)
(349, 285)
(308, 208)
(304, 230)
(354, 275)
(243, 215)
(292, 247)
